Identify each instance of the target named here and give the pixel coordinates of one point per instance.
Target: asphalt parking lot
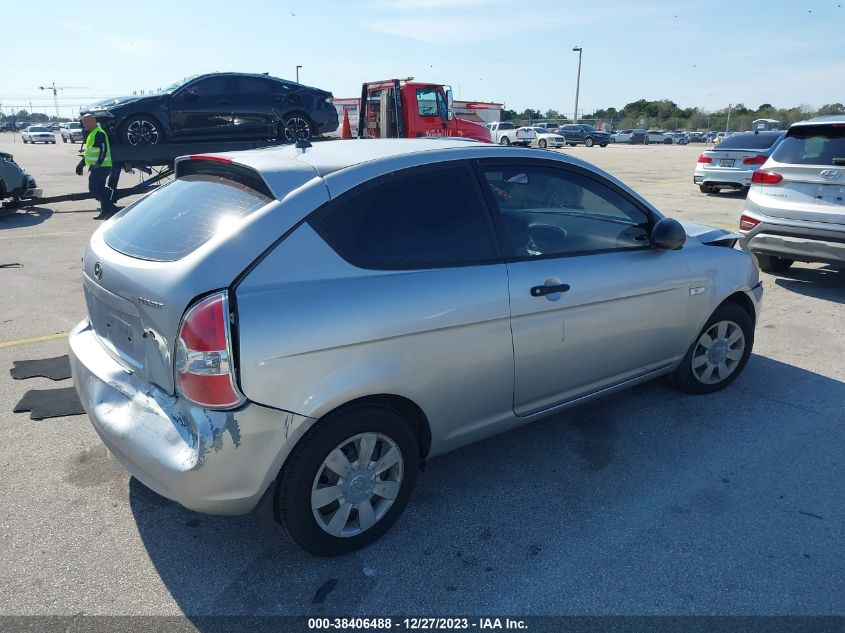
(648, 502)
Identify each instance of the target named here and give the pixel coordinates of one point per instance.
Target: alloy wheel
(297, 129)
(718, 352)
(142, 132)
(356, 484)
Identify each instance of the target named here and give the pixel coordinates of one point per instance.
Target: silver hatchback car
(795, 208)
(308, 325)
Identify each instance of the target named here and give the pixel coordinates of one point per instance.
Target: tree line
(666, 114)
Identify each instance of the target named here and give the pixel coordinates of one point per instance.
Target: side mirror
(668, 235)
(452, 116)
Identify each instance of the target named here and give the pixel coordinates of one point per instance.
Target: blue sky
(704, 54)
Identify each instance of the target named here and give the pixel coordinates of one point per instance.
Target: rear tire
(504, 141)
(307, 519)
(64, 140)
(773, 264)
(603, 145)
(588, 141)
(714, 360)
(542, 143)
(706, 189)
(296, 127)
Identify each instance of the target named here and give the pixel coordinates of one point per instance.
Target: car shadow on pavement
(820, 283)
(647, 501)
(21, 219)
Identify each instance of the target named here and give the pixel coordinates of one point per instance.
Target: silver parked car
(732, 163)
(795, 210)
(305, 326)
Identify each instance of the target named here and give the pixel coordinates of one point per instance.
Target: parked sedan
(273, 325)
(795, 210)
(543, 138)
(732, 163)
(621, 136)
(584, 134)
(38, 134)
(72, 132)
(219, 106)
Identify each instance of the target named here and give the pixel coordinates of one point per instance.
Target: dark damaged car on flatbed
(218, 106)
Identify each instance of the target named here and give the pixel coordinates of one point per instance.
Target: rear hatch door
(154, 259)
(811, 160)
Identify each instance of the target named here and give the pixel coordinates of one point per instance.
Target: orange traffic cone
(346, 129)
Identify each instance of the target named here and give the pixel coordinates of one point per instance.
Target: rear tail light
(766, 177)
(746, 223)
(704, 159)
(755, 160)
(204, 369)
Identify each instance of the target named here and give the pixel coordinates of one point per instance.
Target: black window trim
(479, 165)
(313, 218)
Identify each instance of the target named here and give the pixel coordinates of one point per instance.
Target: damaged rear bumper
(218, 462)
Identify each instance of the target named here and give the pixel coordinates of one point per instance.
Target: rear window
(812, 145)
(749, 141)
(182, 216)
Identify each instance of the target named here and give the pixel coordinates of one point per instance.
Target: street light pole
(577, 82)
(297, 73)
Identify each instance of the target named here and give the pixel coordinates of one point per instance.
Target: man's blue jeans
(97, 179)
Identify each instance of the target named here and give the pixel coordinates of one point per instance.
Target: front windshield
(74, 126)
(175, 86)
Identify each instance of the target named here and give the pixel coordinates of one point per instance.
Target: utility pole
(297, 73)
(55, 90)
(577, 82)
(728, 124)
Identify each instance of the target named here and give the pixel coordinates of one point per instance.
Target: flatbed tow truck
(156, 161)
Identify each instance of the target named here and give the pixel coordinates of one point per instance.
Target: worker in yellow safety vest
(96, 156)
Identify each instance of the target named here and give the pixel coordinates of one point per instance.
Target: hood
(708, 234)
(113, 102)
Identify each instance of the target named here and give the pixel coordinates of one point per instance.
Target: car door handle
(542, 291)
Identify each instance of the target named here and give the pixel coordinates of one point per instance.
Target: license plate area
(830, 195)
(726, 162)
(121, 333)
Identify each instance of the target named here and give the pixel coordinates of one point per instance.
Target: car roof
(828, 119)
(286, 167)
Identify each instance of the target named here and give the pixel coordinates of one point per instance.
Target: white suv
(795, 208)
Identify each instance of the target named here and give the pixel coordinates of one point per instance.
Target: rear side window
(253, 85)
(170, 223)
(749, 141)
(427, 219)
(812, 145)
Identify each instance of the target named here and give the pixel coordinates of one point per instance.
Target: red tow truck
(403, 108)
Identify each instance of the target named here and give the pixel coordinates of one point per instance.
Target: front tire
(773, 264)
(140, 131)
(719, 353)
(348, 480)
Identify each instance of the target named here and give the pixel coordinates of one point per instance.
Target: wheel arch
(742, 300)
(406, 407)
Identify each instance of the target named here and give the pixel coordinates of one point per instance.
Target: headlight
(102, 114)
